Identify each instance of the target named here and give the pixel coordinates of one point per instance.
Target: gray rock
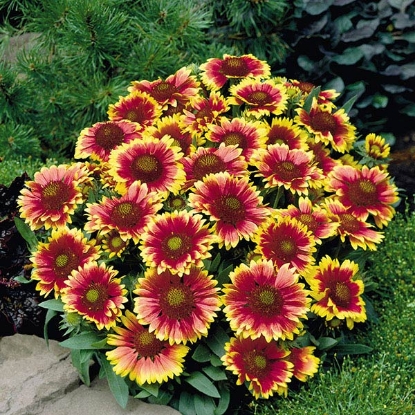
(37, 380)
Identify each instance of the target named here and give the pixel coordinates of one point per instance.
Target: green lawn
(383, 382)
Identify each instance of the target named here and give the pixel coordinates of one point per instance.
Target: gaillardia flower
(264, 301)
(260, 98)
(112, 243)
(286, 240)
(333, 129)
(179, 87)
(359, 233)
(216, 72)
(177, 308)
(366, 191)
(214, 160)
(99, 140)
(336, 293)
(233, 204)
(304, 361)
(138, 107)
(141, 356)
(263, 364)
(376, 147)
(284, 131)
(53, 196)
(66, 250)
(128, 215)
(148, 160)
(95, 293)
(247, 135)
(176, 241)
(294, 169)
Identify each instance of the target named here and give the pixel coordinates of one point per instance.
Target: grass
(384, 381)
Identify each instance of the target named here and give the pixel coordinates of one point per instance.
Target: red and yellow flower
(93, 292)
(233, 204)
(260, 363)
(177, 308)
(264, 301)
(176, 241)
(305, 363)
(216, 72)
(376, 147)
(139, 355)
(66, 251)
(53, 196)
(284, 131)
(336, 292)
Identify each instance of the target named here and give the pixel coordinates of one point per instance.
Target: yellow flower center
(342, 294)
(117, 242)
(61, 260)
(287, 246)
(92, 295)
(265, 301)
(367, 186)
(124, 209)
(267, 297)
(109, 135)
(258, 98)
(235, 67)
(175, 297)
(233, 203)
(323, 121)
(234, 138)
(55, 195)
(175, 242)
(260, 362)
(146, 338)
(146, 163)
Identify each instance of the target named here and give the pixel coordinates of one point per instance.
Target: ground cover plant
(205, 247)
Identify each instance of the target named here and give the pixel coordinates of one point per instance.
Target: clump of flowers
(207, 236)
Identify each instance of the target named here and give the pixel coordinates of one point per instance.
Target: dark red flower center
(305, 86)
(230, 209)
(162, 91)
(363, 193)
(176, 245)
(235, 67)
(109, 136)
(324, 122)
(206, 164)
(177, 301)
(259, 98)
(308, 220)
(95, 297)
(147, 345)
(234, 138)
(256, 364)
(286, 170)
(349, 223)
(266, 300)
(147, 168)
(280, 135)
(139, 112)
(65, 262)
(55, 194)
(126, 215)
(340, 293)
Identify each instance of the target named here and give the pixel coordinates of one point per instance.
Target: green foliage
(359, 48)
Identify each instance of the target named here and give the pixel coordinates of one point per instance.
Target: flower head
(138, 107)
(263, 364)
(148, 160)
(304, 361)
(286, 240)
(141, 356)
(95, 293)
(176, 241)
(53, 196)
(177, 309)
(294, 169)
(260, 98)
(284, 131)
(264, 301)
(233, 204)
(128, 215)
(366, 191)
(66, 250)
(99, 140)
(216, 72)
(247, 135)
(335, 291)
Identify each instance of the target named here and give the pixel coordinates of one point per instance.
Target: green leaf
(215, 373)
(223, 404)
(22, 279)
(325, 343)
(409, 110)
(84, 340)
(350, 56)
(349, 104)
(306, 63)
(345, 349)
(201, 354)
(215, 263)
(49, 315)
(216, 341)
(27, 234)
(202, 383)
(152, 388)
(223, 275)
(204, 405)
(81, 359)
(336, 84)
(315, 7)
(186, 404)
(380, 101)
(117, 384)
(308, 103)
(56, 305)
